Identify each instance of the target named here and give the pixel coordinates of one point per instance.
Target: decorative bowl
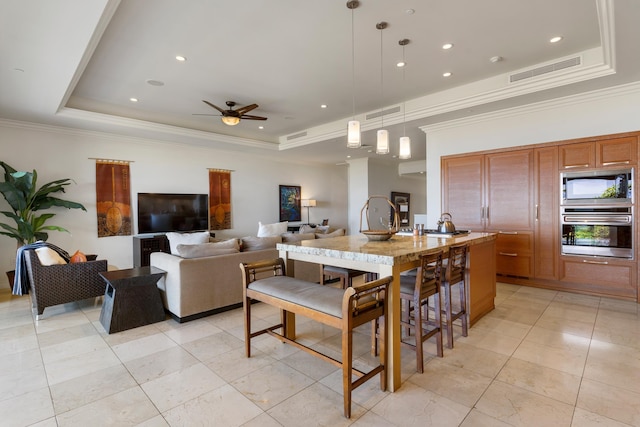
(378, 235)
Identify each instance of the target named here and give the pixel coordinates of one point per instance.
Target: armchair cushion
(48, 256)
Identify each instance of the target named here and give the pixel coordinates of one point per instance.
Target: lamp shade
(405, 148)
(308, 203)
(230, 120)
(382, 145)
(353, 134)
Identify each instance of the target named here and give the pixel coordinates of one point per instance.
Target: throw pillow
(176, 239)
(48, 256)
(295, 237)
(338, 232)
(203, 250)
(251, 243)
(306, 228)
(322, 229)
(276, 229)
(78, 257)
(226, 244)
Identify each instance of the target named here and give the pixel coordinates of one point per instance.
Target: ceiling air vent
(567, 63)
(377, 114)
(296, 135)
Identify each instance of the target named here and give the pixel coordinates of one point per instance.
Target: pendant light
(382, 144)
(404, 151)
(353, 127)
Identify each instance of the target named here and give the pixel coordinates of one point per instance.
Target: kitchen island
(390, 258)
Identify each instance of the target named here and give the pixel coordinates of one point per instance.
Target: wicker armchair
(59, 284)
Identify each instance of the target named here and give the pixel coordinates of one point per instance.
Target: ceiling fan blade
(223, 112)
(200, 114)
(246, 108)
(249, 117)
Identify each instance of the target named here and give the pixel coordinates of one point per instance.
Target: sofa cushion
(176, 239)
(48, 256)
(338, 232)
(276, 229)
(296, 237)
(251, 243)
(226, 244)
(203, 250)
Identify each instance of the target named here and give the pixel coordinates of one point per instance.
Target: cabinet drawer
(615, 278)
(514, 253)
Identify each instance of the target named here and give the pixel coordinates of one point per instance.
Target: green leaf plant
(27, 203)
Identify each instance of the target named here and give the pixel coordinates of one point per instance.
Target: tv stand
(143, 247)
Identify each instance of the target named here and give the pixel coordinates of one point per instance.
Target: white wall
(158, 167)
(591, 114)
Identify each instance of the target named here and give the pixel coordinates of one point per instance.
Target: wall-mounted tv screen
(161, 212)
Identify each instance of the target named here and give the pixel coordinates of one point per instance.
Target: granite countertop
(398, 249)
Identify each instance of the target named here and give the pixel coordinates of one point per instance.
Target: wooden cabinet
(601, 153)
(603, 276)
(143, 247)
(546, 215)
(463, 191)
(514, 253)
(489, 192)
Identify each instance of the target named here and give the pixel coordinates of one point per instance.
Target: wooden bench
(266, 281)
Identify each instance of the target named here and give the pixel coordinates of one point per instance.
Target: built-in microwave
(597, 187)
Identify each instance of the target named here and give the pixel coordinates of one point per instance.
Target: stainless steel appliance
(608, 186)
(605, 231)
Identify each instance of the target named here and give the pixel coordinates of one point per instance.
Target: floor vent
(567, 63)
(296, 135)
(383, 113)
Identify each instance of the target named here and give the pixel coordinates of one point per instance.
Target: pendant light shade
(405, 148)
(353, 134)
(353, 127)
(382, 145)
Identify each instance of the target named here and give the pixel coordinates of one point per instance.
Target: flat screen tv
(161, 212)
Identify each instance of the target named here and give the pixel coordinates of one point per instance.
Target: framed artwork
(401, 202)
(290, 203)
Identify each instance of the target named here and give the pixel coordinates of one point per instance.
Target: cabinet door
(509, 183)
(462, 191)
(580, 155)
(547, 216)
(514, 253)
(619, 151)
(615, 278)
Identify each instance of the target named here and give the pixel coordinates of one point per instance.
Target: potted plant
(27, 201)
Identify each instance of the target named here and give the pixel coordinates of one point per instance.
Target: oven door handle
(626, 219)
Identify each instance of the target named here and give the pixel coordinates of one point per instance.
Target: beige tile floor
(541, 358)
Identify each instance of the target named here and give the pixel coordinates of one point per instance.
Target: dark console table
(131, 299)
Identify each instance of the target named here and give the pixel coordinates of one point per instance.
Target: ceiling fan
(232, 117)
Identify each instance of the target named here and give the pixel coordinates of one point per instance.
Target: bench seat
(343, 309)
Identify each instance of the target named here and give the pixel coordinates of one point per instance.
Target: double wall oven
(597, 213)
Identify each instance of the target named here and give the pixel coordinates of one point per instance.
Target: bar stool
(455, 273)
(415, 291)
(346, 275)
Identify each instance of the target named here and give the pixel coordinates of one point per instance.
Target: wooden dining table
(392, 257)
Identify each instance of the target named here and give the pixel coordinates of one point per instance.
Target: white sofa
(200, 286)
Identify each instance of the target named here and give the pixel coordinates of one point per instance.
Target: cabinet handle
(508, 232)
(577, 166)
(482, 213)
(507, 254)
(625, 162)
(487, 212)
(537, 211)
(595, 262)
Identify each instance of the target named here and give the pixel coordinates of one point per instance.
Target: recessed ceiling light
(447, 46)
(155, 82)
(323, 106)
(495, 59)
(260, 127)
(447, 74)
(133, 99)
(410, 11)
(180, 58)
(555, 39)
(401, 64)
(348, 157)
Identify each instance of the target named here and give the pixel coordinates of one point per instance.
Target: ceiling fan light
(353, 134)
(382, 145)
(405, 148)
(230, 120)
